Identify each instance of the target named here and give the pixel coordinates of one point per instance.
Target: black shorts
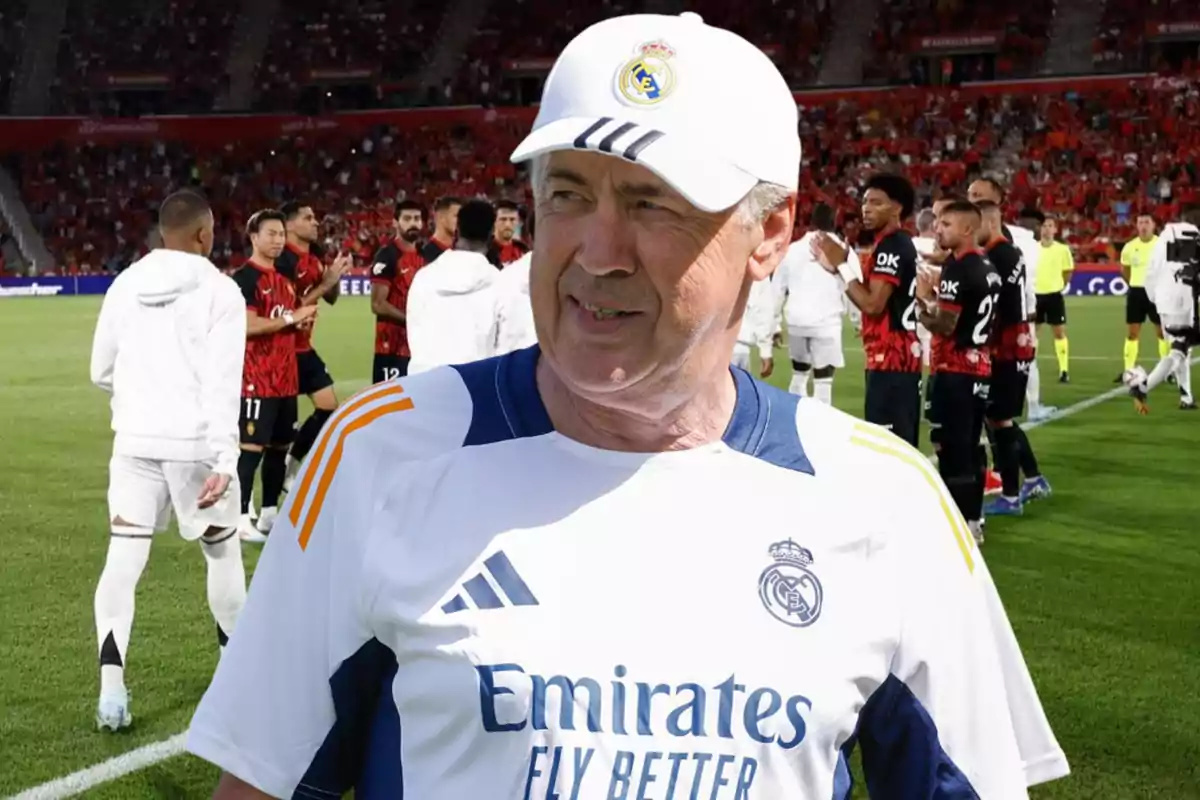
(894, 401)
(954, 406)
(1006, 396)
(313, 375)
(388, 367)
(1138, 307)
(268, 421)
(1051, 309)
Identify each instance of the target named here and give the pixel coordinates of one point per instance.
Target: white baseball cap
(701, 107)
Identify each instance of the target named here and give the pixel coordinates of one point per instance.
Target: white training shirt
(814, 296)
(451, 311)
(514, 314)
(760, 321)
(459, 602)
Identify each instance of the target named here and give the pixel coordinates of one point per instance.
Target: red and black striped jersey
(305, 270)
(890, 338)
(970, 287)
(269, 369)
(395, 267)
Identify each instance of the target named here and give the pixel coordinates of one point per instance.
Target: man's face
(409, 224)
(632, 287)
(269, 240)
(979, 191)
(506, 224)
(1145, 226)
(447, 220)
(304, 225)
(1049, 230)
(206, 235)
(877, 209)
(954, 231)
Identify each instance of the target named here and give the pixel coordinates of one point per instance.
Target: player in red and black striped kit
(1013, 353)
(392, 272)
(960, 315)
(445, 228)
(300, 261)
(270, 380)
(506, 247)
(885, 295)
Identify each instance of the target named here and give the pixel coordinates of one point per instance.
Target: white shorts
(143, 491)
(818, 351)
(741, 356)
(1175, 322)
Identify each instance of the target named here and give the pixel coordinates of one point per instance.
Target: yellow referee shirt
(1136, 256)
(1053, 262)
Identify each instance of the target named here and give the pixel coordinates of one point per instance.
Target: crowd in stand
(1120, 39)
(1095, 160)
(12, 33)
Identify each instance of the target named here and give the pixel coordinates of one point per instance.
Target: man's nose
(607, 244)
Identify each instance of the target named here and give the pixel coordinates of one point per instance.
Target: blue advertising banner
(1097, 280)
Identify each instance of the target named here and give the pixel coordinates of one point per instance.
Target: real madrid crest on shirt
(647, 78)
(788, 589)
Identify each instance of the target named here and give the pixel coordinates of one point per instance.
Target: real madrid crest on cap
(647, 78)
(788, 589)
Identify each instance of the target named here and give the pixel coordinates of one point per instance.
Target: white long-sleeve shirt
(1027, 242)
(452, 311)
(761, 319)
(168, 347)
(814, 296)
(514, 316)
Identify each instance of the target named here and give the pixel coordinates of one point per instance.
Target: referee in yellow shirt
(1055, 265)
(1135, 257)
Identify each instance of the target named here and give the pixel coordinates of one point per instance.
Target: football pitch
(1095, 579)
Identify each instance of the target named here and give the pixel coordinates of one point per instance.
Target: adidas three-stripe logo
(634, 138)
(484, 595)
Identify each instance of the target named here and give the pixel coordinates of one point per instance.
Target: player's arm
(1068, 267)
(306, 625)
(104, 342)
(892, 261)
(383, 272)
(330, 287)
(221, 379)
(958, 716)
(1127, 261)
(941, 316)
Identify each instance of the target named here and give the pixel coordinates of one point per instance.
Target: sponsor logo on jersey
(647, 78)
(788, 589)
(888, 260)
(949, 287)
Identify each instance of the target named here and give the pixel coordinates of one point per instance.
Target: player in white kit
(814, 304)
(533, 576)
(168, 347)
(760, 323)
(926, 243)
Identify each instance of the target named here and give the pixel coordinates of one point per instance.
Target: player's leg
(216, 529)
(1062, 347)
(316, 382)
(257, 420)
(1175, 363)
(1004, 404)
(137, 500)
(798, 351)
(741, 356)
(1135, 315)
(274, 461)
(828, 357)
(951, 423)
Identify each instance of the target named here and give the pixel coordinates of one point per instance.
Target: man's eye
(565, 194)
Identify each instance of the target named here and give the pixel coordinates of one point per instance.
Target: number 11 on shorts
(253, 407)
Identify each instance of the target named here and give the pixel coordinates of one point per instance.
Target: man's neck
(699, 420)
(298, 244)
(1147, 239)
(471, 247)
(443, 238)
(405, 244)
(1047, 242)
(263, 261)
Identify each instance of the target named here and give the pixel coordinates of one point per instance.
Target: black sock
(1006, 452)
(307, 435)
(958, 470)
(1028, 460)
(248, 463)
(274, 468)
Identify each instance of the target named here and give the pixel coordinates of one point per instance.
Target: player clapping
(392, 272)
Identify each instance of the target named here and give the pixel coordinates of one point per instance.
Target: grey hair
(755, 207)
(925, 220)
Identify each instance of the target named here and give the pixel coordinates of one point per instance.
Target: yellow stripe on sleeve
(884, 443)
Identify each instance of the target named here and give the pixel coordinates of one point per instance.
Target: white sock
(823, 390)
(127, 556)
(799, 384)
(1033, 389)
(226, 580)
(1183, 374)
(1164, 368)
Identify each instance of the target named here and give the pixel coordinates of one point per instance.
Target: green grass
(1100, 581)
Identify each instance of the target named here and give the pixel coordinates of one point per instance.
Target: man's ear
(776, 236)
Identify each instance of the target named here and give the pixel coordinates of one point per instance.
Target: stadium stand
(166, 57)
(1094, 158)
(12, 33)
(1123, 39)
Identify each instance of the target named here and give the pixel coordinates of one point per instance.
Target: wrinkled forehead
(598, 173)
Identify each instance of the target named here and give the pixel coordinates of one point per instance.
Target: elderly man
(478, 594)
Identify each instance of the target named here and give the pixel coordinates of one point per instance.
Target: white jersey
(169, 346)
(1172, 299)
(1027, 242)
(459, 602)
(452, 311)
(760, 322)
(514, 315)
(814, 297)
(925, 246)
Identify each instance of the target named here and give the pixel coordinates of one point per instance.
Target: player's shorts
(268, 421)
(741, 356)
(1006, 395)
(954, 406)
(817, 351)
(893, 400)
(388, 367)
(1138, 307)
(143, 492)
(1051, 309)
(313, 375)
(1180, 331)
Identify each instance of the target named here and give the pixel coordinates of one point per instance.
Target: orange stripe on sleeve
(314, 460)
(335, 458)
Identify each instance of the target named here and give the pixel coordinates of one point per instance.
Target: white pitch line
(106, 771)
(157, 752)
